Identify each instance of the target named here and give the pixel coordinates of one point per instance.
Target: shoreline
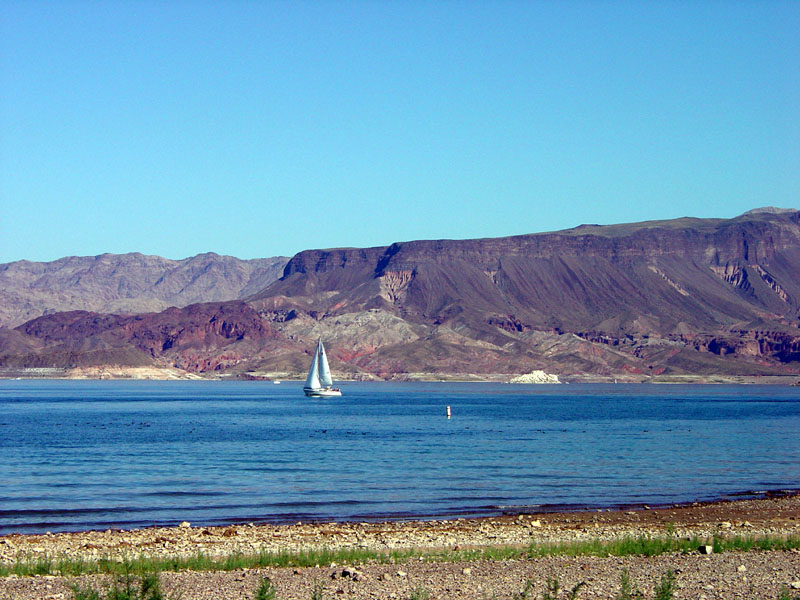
(747, 575)
(467, 514)
(172, 374)
(771, 514)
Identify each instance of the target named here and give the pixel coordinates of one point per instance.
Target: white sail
(312, 381)
(324, 369)
(319, 383)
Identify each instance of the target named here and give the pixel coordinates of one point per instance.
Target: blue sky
(264, 128)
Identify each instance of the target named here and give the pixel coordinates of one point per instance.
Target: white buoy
(448, 412)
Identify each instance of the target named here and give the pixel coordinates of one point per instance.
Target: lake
(97, 454)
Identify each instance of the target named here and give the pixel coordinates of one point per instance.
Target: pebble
(455, 534)
(350, 572)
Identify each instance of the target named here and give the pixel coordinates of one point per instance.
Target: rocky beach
(747, 575)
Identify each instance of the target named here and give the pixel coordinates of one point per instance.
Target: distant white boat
(319, 383)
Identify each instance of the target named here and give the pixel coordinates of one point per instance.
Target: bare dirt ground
(751, 575)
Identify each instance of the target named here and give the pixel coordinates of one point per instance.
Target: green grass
(626, 546)
(653, 546)
(144, 585)
(627, 591)
(552, 591)
(265, 590)
(85, 593)
(786, 595)
(316, 592)
(419, 593)
(666, 587)
(525, 593)
(27, 566)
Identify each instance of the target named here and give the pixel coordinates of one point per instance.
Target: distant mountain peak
(773, 210)
(127, 283)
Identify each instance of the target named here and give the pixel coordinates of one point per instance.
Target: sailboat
(319, 383)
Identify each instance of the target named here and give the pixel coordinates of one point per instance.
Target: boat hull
(322, 393)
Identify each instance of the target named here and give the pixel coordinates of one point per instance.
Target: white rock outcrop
(536, 377)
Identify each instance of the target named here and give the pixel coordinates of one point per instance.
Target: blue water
(97, 454)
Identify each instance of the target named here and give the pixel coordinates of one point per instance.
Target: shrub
(666, 588)
(125, 587)
(265, 590)
(627, 592)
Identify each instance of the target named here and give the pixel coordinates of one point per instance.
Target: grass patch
(265, 590)
(26, 566)
(627, 546)
(627, 590)
(552, 591)
(144, 585)
(420, 593)
(654, 546)
(666, 587)
(786, 595)
(317, 591)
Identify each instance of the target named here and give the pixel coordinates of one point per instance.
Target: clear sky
(258, 128)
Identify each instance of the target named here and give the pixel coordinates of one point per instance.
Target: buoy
(448, 412)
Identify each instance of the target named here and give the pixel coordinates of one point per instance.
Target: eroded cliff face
(658, 277)
(726, 289)
(685, 296)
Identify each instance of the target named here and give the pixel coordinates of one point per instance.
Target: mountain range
(637, 301)
(127, 283)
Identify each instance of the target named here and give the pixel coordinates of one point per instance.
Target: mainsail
(312, 381)
(325, 378)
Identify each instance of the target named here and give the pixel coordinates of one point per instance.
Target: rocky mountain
(127, 283)
(686, 295)
(197, 338)
(634, 301)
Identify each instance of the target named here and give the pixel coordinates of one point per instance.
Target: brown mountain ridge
(127, 283)
(662, 298)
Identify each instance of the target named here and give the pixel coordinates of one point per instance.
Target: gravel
(751, 575)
